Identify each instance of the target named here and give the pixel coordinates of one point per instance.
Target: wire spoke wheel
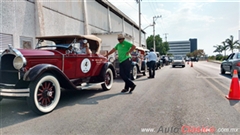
(44, 94)
(108, 80)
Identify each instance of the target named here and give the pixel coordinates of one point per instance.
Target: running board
(88, 85)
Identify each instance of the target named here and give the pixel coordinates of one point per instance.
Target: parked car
(232, 62)
(178, 61)
(187, 59)
(139, 64)
(38, 75)
(158, 62)
(165, 60)
(194, 59)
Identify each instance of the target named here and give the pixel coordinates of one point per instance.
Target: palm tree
(231, 44)
(224, 47)
(218, 48)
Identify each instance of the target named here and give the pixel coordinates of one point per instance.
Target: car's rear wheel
(173, 66)
(134, 73)
(107, 85)
(222, 70)
(44, 94)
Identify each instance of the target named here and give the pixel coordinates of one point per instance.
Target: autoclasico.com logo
(190, 129)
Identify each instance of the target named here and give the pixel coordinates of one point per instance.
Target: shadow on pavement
(226, 75)
(233, 102)
(13, 112)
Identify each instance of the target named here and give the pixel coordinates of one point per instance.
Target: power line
(165, 36)
(137, 11)
(131, 6)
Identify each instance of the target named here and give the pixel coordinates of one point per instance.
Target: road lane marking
(203, 75)
(211, 67)
(236, 106)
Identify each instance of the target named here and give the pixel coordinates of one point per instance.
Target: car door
(228, 64)
(88, 65)
(235, 61)
(70, 65)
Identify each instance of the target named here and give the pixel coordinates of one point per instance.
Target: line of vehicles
(39, 74)
(139, 62)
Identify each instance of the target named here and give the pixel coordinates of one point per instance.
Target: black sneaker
(124, 90)
(132, 88)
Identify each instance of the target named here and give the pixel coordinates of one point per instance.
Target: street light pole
(147, 26)
(154, 19)
(140, 32)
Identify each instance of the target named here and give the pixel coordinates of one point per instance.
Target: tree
(224, 47)
(196, 53)
(161, 47)
(218, 48)
(231, 44)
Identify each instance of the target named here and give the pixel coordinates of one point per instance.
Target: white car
(178, 61)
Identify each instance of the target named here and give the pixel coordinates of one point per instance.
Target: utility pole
(139, 11)
(154, 19)
(165, 36)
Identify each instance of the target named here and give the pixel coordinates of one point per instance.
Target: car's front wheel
(44, 94)
(107, 85)
(222, 70)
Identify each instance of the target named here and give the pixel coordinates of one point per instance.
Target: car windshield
(48, 44)
(177, 57)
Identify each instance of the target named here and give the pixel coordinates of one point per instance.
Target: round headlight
(19, 62)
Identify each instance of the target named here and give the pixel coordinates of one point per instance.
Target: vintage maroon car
(39, 74)
(139, 65)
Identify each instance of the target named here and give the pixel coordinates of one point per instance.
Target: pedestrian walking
(152, 58)
(124, 49)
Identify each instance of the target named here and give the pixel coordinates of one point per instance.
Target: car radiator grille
(8, 74)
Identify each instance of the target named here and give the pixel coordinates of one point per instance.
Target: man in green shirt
(124, 49)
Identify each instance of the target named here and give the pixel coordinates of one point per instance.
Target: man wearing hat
(124, 49)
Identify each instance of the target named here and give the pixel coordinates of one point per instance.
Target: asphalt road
(188, 100)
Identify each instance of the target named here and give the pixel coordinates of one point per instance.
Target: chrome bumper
(14, 92)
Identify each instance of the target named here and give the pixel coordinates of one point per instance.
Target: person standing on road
(152, 58)
(124, 49)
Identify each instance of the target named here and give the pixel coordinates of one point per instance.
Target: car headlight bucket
(19, 62)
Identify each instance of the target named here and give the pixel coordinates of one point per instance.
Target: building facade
(23, 20)
(182, 47)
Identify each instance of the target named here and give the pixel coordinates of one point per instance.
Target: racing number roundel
(85, 65)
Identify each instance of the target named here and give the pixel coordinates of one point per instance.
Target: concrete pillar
(39, 19)
(85, 14)
(123, 26)
(109, 20)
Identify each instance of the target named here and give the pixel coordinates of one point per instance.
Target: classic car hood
(34, 52)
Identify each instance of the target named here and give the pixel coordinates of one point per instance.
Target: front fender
(104, 68)
(134, 63)
(38, 70)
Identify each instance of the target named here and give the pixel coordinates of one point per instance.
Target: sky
(210, 21)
